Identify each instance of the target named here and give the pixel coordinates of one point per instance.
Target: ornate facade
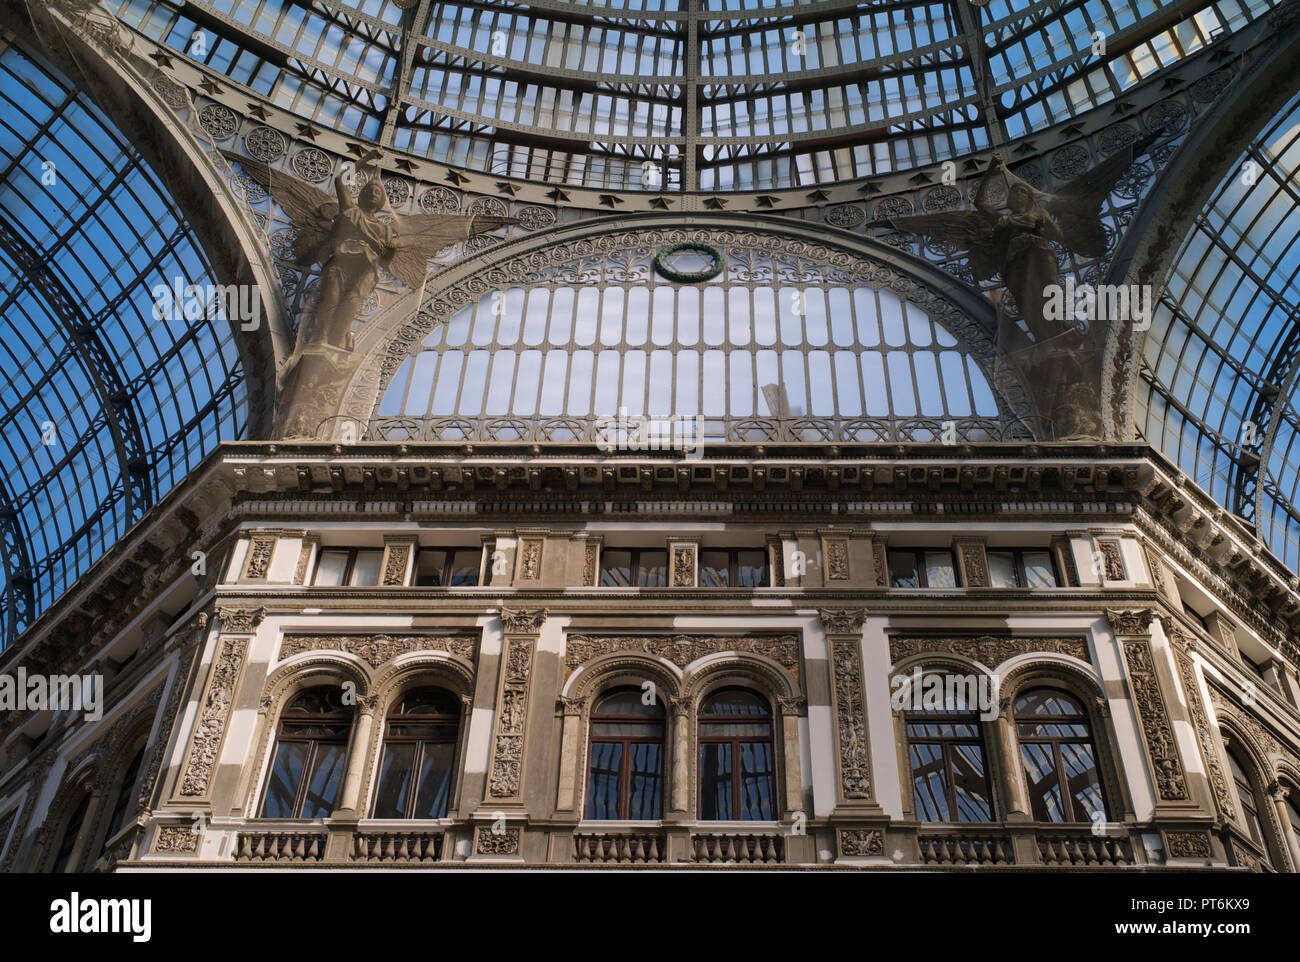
(757, 525)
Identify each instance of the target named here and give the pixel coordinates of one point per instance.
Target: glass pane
(1002, 569)
(464, 566)
(645, 788)
(324, 780)
(902, 569)
(1042, 781)
(939, 572)
(433, 793)
(1039, 572)
(756, 781)
(286, 775)
(430, 564)
(653, 569)
(734, 701)
(752, 569)
(616, 568)
(628, 702)
(602, 790)
(394, 777)
(365, 570)
(331, 567)
(929, 784)
(1082, 780)
(715, 782)
(971, 784)
(715, 569)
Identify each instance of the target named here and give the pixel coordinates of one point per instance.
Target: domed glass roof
(672, 95)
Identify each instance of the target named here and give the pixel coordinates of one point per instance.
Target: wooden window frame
(450, 552)
(625, 758)
(947, 743)
(314, 741)
(634, 571)
(733, 567)
(348, 569)
(735, 741)
(452, 721)
(922, 576)
(1058, 762)
(1018, 562)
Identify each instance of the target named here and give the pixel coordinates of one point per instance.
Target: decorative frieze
(681, 650)
(987, 649)
(837, 558)
(589, 553)
(683, 566)
(399, 557)
(240, 621)
(376, 650)
(1133, 624)
(518, 621)
(1157, 731)
(1112, 562)
(850, 720)
(530, 559)
(974, 562)
(1187, 845)
(860, 843)
(176, 841)
(213, 717)
(505, 842)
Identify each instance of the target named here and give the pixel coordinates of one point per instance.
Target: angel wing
(310, 209)
(420, 236)
(968, 230)
(1077, 206)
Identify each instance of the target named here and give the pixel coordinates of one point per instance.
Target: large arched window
(125, 795)
(419, 755)
(71, 832)
(626, 775)
(1059, 758)
(310, 749)
(737, 758)
(1248, 803)
(950, 779)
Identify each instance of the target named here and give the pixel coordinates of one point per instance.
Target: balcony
(280, 846)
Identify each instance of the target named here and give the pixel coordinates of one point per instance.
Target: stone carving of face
(1019, 198)
(371, 197)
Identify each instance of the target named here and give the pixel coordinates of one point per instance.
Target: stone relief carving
(213, 717)
(300, 571)
(589, 564)
(1205, 735)
(530, 564)
(987, 649)
(240, 621)
(1131, 623)
(882, 564)
(837, 560)
(681, 650)
(842, 621)
(395, 569)
(376, 650)
(259, 558)
(1111, 560)
(522, 622)
(851, 726)
(1157, 730)
(153, 769)
(505, 843)
(508, 747)
(975, 565)
(1187, 844)
(861, 842)
(178, 841)
(683, 566)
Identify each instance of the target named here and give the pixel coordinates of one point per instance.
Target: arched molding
(1146, 252)
(423, 669)
(742, 669)
(1262, 771)
(633, 669)
(387, 341)
(83, 779)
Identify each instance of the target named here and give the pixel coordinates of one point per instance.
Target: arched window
(950, 781)
(1293, 813)
(125, 794)
(737, 771)
(626, 777)
(71, 832)
(1059, 758)
(418, 764)
(1248, 803)
(310, 750)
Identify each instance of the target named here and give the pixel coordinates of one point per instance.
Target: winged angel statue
(1017, 243)
(350, 242)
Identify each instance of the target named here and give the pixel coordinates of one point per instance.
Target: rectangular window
(352, 567)
(1022, 568)
(633, 567)
(733, 568)
(447, 567)
(921, 568)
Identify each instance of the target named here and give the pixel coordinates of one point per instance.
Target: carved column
(1278, 793)
(791, 710)
(350, 796)
(681, 774)
(570, 749)
(844, 641)
(1017, 808)
(505, 776)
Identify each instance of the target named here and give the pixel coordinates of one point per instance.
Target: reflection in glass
(737, 758)
(1059, 760)
(625, 776)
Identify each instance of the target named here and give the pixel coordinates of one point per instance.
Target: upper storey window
(1021, 568)
(922, 568)
(634, 567)
(353, 567)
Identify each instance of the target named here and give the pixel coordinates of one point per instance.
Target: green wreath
(689, 277)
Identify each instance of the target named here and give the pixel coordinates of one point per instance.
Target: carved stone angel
(350, 242)
(1016, 241)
